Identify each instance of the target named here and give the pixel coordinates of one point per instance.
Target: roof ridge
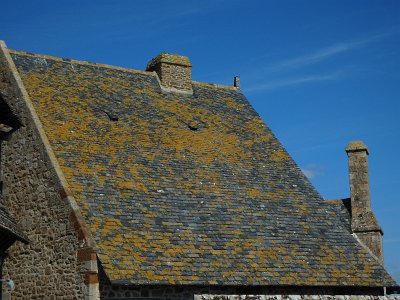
(216, 85)
(81, 62)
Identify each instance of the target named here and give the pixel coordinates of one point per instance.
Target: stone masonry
(292, 297)
(110, 291)
(46, 268)
(363, 221)
(122, 292)
(174, 72)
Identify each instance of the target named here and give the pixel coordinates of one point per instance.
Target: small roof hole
(112, 116)
(193, 128)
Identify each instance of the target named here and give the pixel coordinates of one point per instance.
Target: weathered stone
(27, 174)
(363, 221)
(174, 71)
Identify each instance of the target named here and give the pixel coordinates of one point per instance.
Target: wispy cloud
(393, 240)
(327, 52)
(315, 57)
(293, 81)
(311, 171)
(133, 22)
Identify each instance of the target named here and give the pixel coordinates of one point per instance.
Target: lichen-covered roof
(187, 189)
(343, 210)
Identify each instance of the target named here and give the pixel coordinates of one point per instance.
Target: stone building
(148, 185)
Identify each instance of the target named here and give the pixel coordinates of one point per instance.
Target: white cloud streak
(314, 57)
(312, 171)
(293, 81)
(327, 52)
(393, 240)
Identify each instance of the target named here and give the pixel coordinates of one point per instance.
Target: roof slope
(187, 189)
(343, 210)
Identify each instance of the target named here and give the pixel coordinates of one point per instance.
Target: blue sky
(320, 73)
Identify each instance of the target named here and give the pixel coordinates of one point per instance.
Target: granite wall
(110, 291)
(293, 297)
(46, 268)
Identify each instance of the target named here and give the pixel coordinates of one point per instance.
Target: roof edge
(108, 66)
(335, 201)
(76, 217)
(233, 88)
(18, 236)
(301, 286)
(81, 62)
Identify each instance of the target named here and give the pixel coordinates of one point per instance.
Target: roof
(343, 210)
(187, 189)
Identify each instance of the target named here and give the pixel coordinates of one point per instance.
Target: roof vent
(236, 82)
(174, 72)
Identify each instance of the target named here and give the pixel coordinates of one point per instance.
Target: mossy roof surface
(187, 189)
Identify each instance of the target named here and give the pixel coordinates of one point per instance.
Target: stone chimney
(174, 72)
(363, 221)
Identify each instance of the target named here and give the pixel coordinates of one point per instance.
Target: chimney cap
(356, 146)
(172, 59)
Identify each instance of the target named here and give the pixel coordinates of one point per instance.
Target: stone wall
(175, 76)
(292, 297)
(46, 268)
(156, 292)
(110, 291)
(373, 240)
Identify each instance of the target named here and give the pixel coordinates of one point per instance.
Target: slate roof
(343, 210)
(187, 189)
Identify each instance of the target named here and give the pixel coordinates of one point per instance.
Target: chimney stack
(174, 72)
(363, 221)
